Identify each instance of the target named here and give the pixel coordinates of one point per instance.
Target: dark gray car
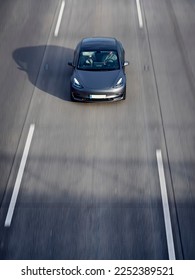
(98, 70)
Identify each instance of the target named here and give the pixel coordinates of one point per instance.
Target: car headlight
(119, 82)
(76, 83)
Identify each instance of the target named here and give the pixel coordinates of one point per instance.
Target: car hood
(97, 79)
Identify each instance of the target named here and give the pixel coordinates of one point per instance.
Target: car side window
(122, 53)
(76, 55)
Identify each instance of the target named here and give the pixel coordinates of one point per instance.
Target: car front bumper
(84, 95)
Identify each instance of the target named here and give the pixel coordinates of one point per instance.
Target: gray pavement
(91, 189)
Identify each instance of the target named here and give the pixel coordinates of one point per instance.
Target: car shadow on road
(47, 68)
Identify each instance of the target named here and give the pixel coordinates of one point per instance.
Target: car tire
(124, 95)
(71, 98)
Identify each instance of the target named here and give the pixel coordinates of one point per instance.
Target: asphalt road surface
(93, 185)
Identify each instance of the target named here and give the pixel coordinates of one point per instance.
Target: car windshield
(101, 60)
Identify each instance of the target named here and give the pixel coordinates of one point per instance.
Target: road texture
(91, 188)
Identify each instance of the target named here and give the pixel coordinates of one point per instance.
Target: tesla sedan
(99, 70)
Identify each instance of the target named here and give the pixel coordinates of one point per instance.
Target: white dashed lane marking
(165, 203)
(59, 19)
(139, 12)
(19, 177)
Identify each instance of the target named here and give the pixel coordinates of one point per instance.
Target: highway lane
(23, 23)
(174, 64)
(90, 188)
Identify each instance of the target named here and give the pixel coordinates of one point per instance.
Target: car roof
(98, 43)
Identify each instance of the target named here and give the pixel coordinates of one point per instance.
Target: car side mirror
(126, 63)
(70, 64)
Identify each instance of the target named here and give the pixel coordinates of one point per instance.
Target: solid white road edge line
(59, 19)
(139, 13)
(19, 176)
(166, 211)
